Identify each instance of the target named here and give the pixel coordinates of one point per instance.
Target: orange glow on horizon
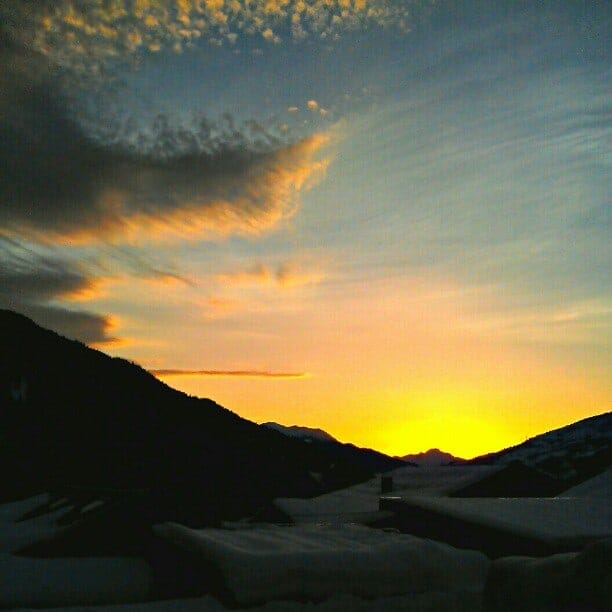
(170, 373)
(466, 423)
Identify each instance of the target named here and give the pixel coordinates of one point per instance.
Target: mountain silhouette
(366, 457)
(432, 457)
(73, 418)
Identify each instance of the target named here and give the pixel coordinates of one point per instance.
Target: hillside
(299, 431)
(73, 417)
(366, 457)
(574, 452)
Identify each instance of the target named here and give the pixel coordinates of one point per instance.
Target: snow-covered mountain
(576, 451)
(299, 431)
(432, 457)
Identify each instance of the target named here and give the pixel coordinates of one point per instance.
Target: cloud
(30, 284)
(216, 306)
(88, 327)
(285, 274)
(163, 373)
(257, 274)
(66, 179)
(60, 185)
(291, 275)
(87, 36)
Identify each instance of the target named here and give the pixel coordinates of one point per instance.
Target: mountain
(75, 419)
(572, 453)
(432, 457)
(365, 457)
(301, 432)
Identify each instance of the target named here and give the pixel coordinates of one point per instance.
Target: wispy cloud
(284, 274)
(216, 306)
(163, 373)
(289, 274)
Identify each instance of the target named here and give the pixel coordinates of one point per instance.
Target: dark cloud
(30, 283)
(88, 327)
(60, 180)
(67, 179)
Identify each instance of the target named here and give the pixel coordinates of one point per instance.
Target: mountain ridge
(574, 451)
(366, 457)
(71, 416)
(301, 431)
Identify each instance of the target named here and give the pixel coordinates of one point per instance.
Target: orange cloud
(290, 275)
(90, 289)
(188, 198)
(286, 274)
(162, 373)
(257, 274)
(105, 30)
(216, 307)
(110, 323)
(267, 194)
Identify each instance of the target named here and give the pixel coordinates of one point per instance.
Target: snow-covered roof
(360, 503)
(313, 562)
(562, 521)
(599, 486)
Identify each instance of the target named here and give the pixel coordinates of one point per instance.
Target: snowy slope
(599, 487)
(581, 449)
(299, 431)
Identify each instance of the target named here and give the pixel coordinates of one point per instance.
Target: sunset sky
(387, 219)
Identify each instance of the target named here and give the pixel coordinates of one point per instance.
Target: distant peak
(432, 457)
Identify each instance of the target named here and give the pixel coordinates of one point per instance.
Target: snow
(357, 504)
(438, 480)
(16, 534)
(418, 602)
(301, 432)
(599, 486)
(561, 521)
(64, 581)
(360, 503)
(92, 506)
(578, 440)
(313, 562)
(38, 582)
(571, 581)
(323, 568)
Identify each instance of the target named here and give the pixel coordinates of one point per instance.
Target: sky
(386, 219)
